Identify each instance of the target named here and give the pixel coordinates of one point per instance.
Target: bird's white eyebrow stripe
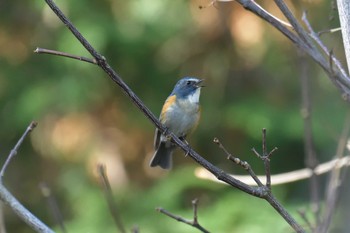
(192, 79)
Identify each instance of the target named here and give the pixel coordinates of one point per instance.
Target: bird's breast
(182, 116)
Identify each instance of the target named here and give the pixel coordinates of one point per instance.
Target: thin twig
(294, 22)
(63, 54)
(246, 166)
(194, 222)
(14, 151)
(52, 203)
(266, 158)
(332, 30)
(109, 197)
(316, 38)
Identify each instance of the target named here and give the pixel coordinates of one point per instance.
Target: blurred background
(252, 77)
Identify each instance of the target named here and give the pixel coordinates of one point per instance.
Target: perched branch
(109, 197)
(194, 222)
(14, 151)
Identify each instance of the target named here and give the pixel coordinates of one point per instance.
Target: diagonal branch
(14, 151)
(109, 197)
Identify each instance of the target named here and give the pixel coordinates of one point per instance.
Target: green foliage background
(252, 77)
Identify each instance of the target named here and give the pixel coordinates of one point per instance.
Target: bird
(180, 115)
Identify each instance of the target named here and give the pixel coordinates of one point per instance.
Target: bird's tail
(163, 156)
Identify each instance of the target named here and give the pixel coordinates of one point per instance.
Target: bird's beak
(199, 83)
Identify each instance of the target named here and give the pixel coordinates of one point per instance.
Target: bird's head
(188, 87)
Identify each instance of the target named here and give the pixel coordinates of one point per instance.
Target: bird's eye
(188, 83)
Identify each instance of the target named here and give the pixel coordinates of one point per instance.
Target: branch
(316, 37)
(266, 189)
(22, 212)
(335, 181)
(63, 54)
(194, 223)
(52, 203)
(109, 197)
(7, 198)
(245, 165)
(14, 151)
(286, 177)
(301, 40)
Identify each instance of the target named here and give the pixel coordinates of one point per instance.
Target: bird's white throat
(194, 98)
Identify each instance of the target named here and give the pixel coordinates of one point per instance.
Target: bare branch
(335, 181)
(22, 212)
(246, 166)
(194, 222)
(52, 203)
(286, 177)
(301, 40)
(14, 151)
(63, 54)
(109, 197)
(316, 38)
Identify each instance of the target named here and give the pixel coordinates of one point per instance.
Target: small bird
(180, 114)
